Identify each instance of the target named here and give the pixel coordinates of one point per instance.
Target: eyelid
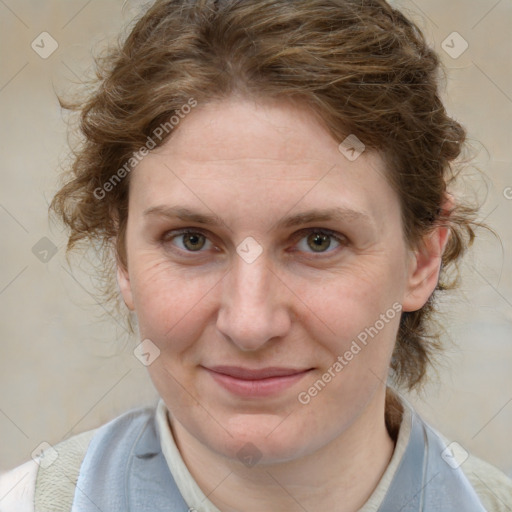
(341, 239)
(325, 231)
(183, 231)
(176, 233)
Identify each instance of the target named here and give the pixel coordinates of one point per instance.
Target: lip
(256, 382)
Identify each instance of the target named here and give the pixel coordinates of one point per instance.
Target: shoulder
(17, 488)
(58, 471)
(51, 477)
(493, 487)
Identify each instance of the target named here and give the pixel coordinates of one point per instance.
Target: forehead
(240, 128)
(242, 150)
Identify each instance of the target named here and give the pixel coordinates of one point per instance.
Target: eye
(319, 240)
(192, 241)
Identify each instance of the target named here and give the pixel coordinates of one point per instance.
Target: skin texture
(252, 164)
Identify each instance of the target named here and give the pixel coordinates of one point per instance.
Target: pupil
(319, 238)
(194, 239)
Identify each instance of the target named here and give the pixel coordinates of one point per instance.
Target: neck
(340, 476)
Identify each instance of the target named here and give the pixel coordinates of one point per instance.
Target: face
(292, 253)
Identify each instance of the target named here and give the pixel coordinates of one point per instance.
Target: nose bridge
(252, 311)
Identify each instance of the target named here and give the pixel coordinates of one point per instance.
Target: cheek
(355, 320)
(355, 315)
(355, 296)
(165, 299)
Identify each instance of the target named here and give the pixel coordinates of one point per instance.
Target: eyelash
(169, 236)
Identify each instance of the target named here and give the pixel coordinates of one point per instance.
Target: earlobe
(123, 280)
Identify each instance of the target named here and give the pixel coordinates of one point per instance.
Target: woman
(271, 181)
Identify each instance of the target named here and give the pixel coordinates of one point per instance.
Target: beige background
(65, 369)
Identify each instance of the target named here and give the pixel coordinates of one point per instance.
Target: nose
(254, 308)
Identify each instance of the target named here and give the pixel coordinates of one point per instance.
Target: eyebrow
(316, 215)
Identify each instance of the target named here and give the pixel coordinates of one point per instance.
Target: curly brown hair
(361, 66)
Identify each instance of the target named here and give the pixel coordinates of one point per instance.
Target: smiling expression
(268, 180)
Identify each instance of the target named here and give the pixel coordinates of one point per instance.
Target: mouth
(262, 382)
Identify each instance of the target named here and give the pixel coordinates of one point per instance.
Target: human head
(362, 69)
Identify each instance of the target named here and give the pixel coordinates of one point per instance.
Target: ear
(123, 277)
(425, 264)
(123, 280)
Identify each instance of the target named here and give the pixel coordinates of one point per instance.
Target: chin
(267, 440)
